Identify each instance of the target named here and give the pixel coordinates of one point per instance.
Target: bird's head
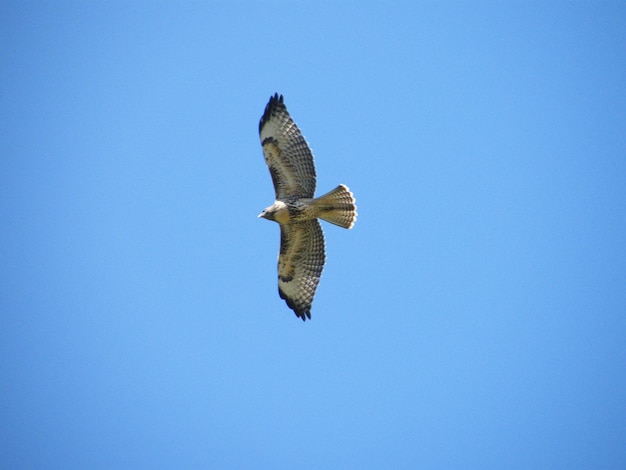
(277, 212)
(268, 213)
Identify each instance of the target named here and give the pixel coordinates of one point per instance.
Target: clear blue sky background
(475, 317)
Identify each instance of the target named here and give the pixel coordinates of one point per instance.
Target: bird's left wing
(286, 152)
(300, 264)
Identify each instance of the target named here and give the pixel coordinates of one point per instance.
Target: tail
(338, 207)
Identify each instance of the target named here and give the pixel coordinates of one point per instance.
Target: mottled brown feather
(286, 152)
(300, 264)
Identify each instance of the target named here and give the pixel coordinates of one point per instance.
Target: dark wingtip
(300, 312)
(274, 103)
(303, 314)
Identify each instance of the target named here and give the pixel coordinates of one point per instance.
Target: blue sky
(475, 317)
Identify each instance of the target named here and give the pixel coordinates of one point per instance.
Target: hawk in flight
(290, 161)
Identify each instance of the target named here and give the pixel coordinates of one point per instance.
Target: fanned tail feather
(338, 207)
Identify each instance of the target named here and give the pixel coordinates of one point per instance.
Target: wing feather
(286, 151)
(300, 264)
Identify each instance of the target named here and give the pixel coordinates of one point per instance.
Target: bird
(302, 251)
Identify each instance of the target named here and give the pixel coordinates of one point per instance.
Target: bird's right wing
(300, 264)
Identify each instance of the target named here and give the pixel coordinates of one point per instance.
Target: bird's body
(302, 253)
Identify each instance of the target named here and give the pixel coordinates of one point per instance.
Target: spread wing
(286, 152)
(300, 264)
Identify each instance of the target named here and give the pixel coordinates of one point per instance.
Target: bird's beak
(261, 214)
